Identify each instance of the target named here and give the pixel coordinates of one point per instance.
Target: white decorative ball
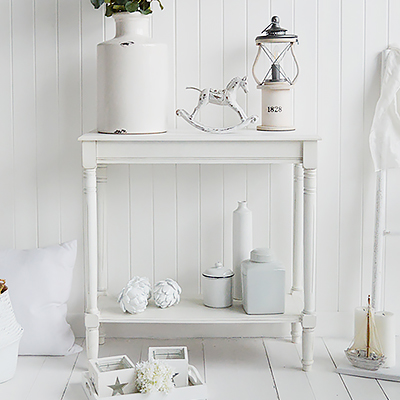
(134, 297)
(141, 282)
(167, 293)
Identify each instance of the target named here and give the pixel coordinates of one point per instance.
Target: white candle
(385, 325)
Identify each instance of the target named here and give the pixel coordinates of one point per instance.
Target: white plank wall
(175, 221)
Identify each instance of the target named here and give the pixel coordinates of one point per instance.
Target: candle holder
(111, 376)
(277, 112)
(176, 358)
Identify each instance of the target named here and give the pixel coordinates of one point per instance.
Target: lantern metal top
(275, 33)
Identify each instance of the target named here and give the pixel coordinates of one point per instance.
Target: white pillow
(39, 283)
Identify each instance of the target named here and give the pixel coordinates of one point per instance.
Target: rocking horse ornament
(222, 97)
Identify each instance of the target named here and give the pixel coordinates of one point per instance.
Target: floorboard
(53, 378)
(237, 369)
(19, 387)
(233, 369)
(325, 383)
(290, 380)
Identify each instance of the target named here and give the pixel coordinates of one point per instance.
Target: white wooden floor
(234, 369)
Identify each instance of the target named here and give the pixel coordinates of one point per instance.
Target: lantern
(275, 43)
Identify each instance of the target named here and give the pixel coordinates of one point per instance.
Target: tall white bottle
(242, 235)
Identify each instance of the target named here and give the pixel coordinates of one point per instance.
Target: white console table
(192, 147)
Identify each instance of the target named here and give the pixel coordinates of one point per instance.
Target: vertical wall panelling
(119, 223)
(187, 56)
(7, 178)
(259, 202)
(141, 221)
(188, 228)
(234, 191)
(393, 26)
(69, 127)
(374, 44)
(187, 61)
(211, 215)
(92, 34)
(258, 176)
(164, 221)
(351, 158)
(211, 56)
(305, 26)
(23, 50)
(281, 181)
(70, 111)
(108, 28)
(47, 137)
(211, 75)
(234, 61)
(234, 51)
(164, 29)
(393, 221)
(119, 257)
(329, 58)
(258, 17)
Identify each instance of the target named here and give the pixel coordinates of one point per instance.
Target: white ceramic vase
(10, 336)
(132, 79)
(242, 235)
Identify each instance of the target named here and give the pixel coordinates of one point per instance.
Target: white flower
(154, 376)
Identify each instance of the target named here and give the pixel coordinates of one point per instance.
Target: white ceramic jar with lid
(217, 286)
(263, 283)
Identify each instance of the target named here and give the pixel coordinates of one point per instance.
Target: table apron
(199, 153)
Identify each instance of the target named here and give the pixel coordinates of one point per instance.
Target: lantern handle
(296, 63)
(254, 64)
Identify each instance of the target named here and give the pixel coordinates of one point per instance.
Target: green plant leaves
(109, 10)
(132, 6)
(115, 6)
(145, 7)
(97, 3)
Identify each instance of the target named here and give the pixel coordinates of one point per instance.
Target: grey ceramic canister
(263, 282)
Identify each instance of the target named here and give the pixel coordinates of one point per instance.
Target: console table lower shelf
(193, 311)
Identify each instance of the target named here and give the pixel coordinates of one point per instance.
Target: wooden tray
(197, 390)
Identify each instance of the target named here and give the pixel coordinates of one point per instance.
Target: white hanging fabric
(384, 138)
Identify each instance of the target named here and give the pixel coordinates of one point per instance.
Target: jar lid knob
(218, 271)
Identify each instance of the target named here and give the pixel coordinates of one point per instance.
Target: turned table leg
(308, 314)
(297, 274)
(91, 310)
(101, 178)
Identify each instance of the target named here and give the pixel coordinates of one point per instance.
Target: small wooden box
(111, 376)
(176, 358)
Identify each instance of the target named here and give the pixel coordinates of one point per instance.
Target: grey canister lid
(218, 271)
(261, 255)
